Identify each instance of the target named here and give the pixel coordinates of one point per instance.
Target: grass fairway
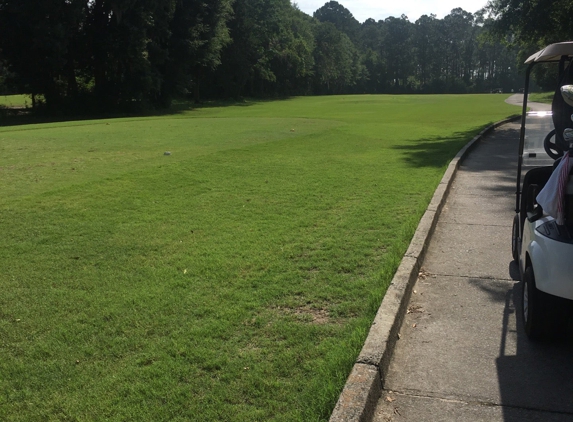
(15, 101)
(233, 280)
(542, 97)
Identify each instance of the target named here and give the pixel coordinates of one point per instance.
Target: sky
(381, 9)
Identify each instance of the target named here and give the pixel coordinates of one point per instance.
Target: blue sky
(381, 9)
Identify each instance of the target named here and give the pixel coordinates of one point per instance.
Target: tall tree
(371, 44)
(35, 39)
(533, 22)
(497, 60)
(335, 60)
(458, 46)
(124, 53)
(398, 34)
(199, 32)
(118, 34)
(294, 63)
(427, 44)
(529, 25)
(119, 52)
(271, 49)
(341, 17)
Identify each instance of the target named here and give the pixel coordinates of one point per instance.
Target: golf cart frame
(542, 249)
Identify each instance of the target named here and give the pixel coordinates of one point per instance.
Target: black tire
(515, 239)
(544, 316)
(533, 307)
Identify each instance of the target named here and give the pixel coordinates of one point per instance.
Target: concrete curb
(364, 385)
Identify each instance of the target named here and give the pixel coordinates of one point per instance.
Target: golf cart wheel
(515, 239)
(545, 317)
(533, 307)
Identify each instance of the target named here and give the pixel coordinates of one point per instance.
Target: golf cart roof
(552, 53)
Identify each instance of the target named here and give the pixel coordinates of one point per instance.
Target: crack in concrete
(436, 275)
(411, 393)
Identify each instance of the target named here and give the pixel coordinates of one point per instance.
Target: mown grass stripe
(235, 279)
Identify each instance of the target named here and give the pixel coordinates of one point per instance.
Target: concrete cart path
(462, 353)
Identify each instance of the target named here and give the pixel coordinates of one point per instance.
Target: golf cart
(542, 235)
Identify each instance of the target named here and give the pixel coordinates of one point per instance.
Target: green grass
(542, 97)
(15, 101)
(235, 279)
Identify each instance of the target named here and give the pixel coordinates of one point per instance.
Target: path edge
(364, 385)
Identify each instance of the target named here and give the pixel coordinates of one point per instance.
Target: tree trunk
(72, 88)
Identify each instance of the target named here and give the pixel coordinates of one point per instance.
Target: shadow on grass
(440, 150)
(500, 146)
(26, 116)
(437, 151)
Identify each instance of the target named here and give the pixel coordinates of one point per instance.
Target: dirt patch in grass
(307, 314)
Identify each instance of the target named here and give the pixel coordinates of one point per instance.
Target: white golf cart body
(543, 249)
(552, 260)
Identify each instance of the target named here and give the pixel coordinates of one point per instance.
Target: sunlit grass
(234, 279)
(15, 101)
(541, 97)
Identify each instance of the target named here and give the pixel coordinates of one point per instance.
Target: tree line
(125, 54)
(531, 25)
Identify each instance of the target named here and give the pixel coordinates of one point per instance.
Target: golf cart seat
(534, 180)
